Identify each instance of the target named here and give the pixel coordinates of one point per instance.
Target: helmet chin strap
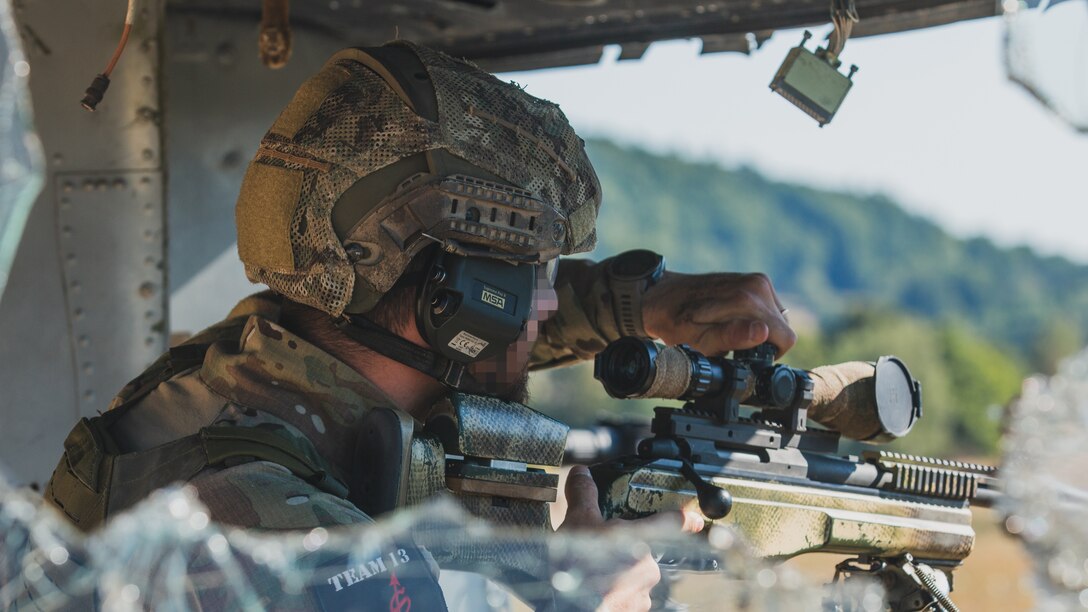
(451, 373)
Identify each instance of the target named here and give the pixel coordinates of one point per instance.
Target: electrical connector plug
(94, 93)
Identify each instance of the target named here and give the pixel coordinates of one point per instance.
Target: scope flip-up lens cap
(898, 397)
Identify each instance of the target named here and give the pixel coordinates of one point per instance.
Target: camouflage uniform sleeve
(584, 323)
(263, 496)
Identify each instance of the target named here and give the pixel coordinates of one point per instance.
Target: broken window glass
(165, 554)
(1046, 485)
(1046, 51)
(20, 152)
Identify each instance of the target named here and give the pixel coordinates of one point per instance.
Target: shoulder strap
(92, 481)
(177, 359)
(223, 443)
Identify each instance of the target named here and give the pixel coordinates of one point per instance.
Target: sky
(932, 121)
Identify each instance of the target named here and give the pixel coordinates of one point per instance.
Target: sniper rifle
(783, 483)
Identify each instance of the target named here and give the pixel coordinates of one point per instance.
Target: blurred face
(506, 376)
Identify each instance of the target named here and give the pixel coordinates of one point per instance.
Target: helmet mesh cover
(347, 122)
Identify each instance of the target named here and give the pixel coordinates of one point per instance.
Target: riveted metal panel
(526, 34)
(110, 228)
(42, 315)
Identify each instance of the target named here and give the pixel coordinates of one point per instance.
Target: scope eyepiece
(639, 368)
(627, 367)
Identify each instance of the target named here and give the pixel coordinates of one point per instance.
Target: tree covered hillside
(969, 318)
(831, 252)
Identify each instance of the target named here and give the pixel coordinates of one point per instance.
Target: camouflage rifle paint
(784, 520)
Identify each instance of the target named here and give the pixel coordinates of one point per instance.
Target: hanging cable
(93, 95)
(844, 14)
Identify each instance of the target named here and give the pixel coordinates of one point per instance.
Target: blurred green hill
(865, 277)
(833, 251)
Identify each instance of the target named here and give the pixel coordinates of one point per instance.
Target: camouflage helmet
(361, 171)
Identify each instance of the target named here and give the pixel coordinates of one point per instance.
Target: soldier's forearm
(584, 323)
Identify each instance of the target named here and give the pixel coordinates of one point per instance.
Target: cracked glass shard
(1046, 484)
(20, 152)
(165, 554)
(1045, 52)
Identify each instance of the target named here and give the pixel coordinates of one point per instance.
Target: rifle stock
(779, 520)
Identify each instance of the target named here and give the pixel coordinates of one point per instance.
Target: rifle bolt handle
(714, 502)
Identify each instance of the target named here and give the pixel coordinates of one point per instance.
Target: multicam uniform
(255, 375)
(386, 150)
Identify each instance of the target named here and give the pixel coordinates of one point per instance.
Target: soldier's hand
(630, 589)
(716, 313)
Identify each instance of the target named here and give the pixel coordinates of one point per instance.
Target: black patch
(398, 578)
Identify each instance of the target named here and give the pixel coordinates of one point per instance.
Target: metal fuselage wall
(85, 308)
(87, 305)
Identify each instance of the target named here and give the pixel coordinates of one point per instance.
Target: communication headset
(472, 308)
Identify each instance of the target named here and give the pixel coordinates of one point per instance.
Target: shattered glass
(1046, 451)
(20, 151)
(167, 555)
(1046, 51)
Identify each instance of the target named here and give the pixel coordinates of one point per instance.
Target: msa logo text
(494, 297)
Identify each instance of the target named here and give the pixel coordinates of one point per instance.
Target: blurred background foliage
(862, 278)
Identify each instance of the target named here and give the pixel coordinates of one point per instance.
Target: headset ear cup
(472, 308)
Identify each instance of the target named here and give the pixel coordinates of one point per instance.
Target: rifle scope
(866, 401)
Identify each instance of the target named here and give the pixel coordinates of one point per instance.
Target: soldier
(401, 194)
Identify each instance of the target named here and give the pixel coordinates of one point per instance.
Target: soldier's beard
(506, 375)
(500, 383)
(516, 391)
